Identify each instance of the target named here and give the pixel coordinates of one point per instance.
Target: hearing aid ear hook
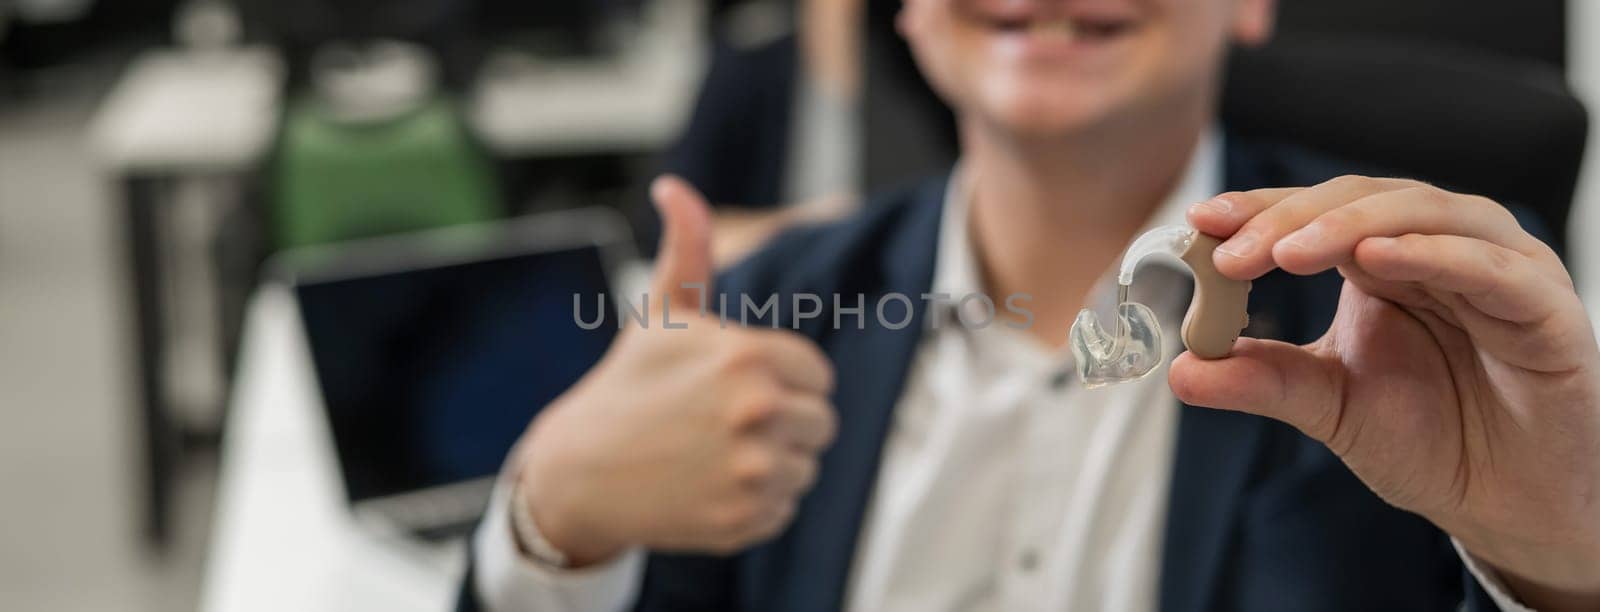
(1217, 313)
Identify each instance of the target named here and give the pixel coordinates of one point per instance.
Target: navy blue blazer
(1260, 517)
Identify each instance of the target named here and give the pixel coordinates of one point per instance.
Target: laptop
(433, 351)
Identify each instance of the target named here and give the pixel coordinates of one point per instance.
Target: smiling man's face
(1049, 67)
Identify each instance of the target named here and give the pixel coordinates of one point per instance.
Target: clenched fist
(699, 438)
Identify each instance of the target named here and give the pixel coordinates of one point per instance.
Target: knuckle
(1351, 181)
(1412, 241)
(1544, 252)
(726, 542)
(740, 350)
(829, 376)
(1429, 196)
(757, 405)
(1485, 203)
(807, 476)
(754, 468)
(1421, 197)
(733, 519)
(784, 340)
(1410, 244)
(830, 425)
(801, 345)
(818, 359)
(1500, 260)
(1404, 183)
(775, 520)
(1343, 219)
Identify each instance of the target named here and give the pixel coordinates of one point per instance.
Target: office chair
(1526, 29)
(1468, 120)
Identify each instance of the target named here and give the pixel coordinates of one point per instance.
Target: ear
(1253, 21)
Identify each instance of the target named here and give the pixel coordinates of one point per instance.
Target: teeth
(1059, 27)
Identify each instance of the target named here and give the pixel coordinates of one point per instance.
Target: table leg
(143, 195)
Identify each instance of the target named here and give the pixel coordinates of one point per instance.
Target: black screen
(430, 375)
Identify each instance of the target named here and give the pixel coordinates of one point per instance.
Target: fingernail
(1238, 246)
(1214, 205)
(1306, 236)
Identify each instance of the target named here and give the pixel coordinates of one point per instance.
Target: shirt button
(1061, 380)
(1028, 560)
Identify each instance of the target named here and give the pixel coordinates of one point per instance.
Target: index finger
(798, 362)
(1225, 213)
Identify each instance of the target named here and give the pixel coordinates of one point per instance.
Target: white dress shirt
(1004, 484)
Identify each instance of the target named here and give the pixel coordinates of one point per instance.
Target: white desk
(634, 103)
(178, 111)
(283, 538)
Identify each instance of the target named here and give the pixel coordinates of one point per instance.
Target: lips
(1077, 22)
(1088, 29)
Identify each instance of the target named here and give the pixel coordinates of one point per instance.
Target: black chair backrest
(1527, 29)
(1482, 123)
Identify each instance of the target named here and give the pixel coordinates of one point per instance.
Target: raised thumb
(685, 254)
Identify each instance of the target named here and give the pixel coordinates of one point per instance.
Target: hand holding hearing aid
(1459, 378)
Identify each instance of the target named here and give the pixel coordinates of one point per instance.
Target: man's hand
(690, 439)
(1458, 379)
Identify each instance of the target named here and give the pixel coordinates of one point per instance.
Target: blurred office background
(154, 153)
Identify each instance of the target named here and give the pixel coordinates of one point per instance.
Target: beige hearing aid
(1218, 310)
(1217, 313)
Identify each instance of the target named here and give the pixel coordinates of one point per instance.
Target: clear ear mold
(1131, 349)
(1130, 352)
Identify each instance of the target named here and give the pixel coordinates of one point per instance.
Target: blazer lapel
(1211, 467)
(808, 568)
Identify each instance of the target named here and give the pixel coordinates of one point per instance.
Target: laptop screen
(429, 375)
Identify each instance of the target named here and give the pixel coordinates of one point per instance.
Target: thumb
(1278, 380)
(685, 253)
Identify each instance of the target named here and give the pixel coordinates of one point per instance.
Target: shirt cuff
(1490, 581)
(506, 580)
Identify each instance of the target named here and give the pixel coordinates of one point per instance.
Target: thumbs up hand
(700, 438)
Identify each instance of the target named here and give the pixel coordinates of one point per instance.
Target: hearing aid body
(1218, 310)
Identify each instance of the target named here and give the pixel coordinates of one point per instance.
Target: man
(1433, 443)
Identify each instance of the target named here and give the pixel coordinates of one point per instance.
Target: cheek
(944, 50)
(1198, 33)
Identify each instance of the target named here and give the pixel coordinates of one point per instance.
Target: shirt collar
(955, 271)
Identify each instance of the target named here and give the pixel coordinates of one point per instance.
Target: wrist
(1545, 578)
(558, 530)
(1539, 596)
